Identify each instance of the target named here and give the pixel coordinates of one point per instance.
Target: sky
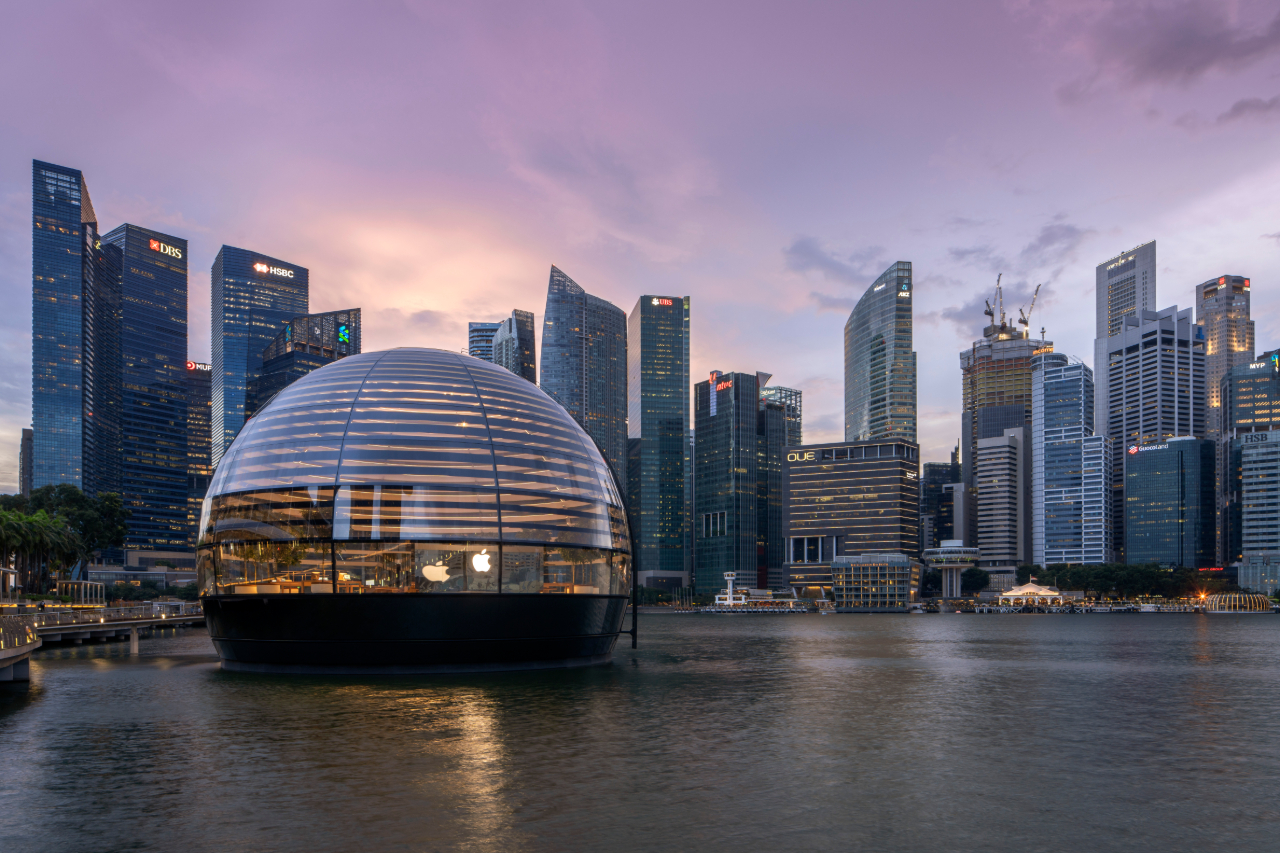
(428, 162)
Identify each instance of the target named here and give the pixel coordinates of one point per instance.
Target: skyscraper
(1250, 395)
(75, 337)
(253, 295)
(513, 345)
(304, 344)
(199, 444)
(1124, 286)
(879, 365)
(1222, 308)
(153, 358)
(24, 464)
(584, 364)
(1155, 391)
(1168, 498)
(657, 430)
(1003, 471)
(937, 514)
(1070, 468)
(792, 407)
(480, 339)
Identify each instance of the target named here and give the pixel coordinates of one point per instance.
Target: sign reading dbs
(166, 249)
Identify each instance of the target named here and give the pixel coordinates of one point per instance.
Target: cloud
(858, 268)
(984, 257)
(1275, 236)
(1248, 108)
(837, 304)
(1055, 243)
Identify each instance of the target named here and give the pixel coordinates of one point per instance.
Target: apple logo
(437, 573)
(480, 562)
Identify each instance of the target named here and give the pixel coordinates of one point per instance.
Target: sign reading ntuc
(725, 386)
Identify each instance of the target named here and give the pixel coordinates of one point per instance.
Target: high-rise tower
(513, 345)
(253, 295)
(657, 430)
(879, 365)
(1125, 285)
(480, 339)
(792, 402)
(584, 364)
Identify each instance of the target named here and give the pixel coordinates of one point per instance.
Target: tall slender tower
(1125, 286)
(513, 345)
(584, 364)
(879, 364)
(253, 296)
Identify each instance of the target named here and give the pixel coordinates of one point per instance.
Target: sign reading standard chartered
(280, 271)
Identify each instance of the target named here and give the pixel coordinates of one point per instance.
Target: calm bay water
(934, 732)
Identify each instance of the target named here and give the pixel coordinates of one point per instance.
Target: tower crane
(1025, 317)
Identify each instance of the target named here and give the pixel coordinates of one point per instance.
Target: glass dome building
(413, 509)
(1237, 602)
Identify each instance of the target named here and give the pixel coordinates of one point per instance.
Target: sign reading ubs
(280, 271)
(166, 249)
(658, 300)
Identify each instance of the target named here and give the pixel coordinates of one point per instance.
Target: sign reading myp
(166, 249)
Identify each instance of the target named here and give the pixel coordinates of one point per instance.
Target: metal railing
(17, 631)
(113, 614)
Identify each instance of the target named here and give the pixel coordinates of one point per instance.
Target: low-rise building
(871, 583)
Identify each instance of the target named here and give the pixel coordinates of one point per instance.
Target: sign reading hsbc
(280, 271)
(1256, 437)
(166, 249)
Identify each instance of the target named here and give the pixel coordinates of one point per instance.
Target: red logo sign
(191, 365)
(1133, 450)
(155, 245)
(724, 386)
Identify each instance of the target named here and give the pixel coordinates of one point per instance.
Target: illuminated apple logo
(437, 573)
(480, 562)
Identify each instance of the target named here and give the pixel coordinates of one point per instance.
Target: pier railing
(110, 614)
(17, 631)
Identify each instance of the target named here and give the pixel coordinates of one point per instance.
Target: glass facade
(303, 345)
(584, 364)
(153, 359)
(480, 340)
(658, 424)
(1250, 395)
(875, 582)
(937, 515)
(253, 295)
(413, 470)
(848, 499)
(513, 345)
(879, 365)
(199, 444)
(1169, 503)
(792, 403)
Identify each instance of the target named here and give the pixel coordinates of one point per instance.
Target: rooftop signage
(659, 300)
(198, 365)
(166, 249)
(804, 456)
(724, 386)
(280, 271)
(1256, 438)
(1136, 449)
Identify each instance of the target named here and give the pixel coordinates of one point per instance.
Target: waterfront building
(1250, 395)
(199, 390)
(1169, 503)
(738, 451)
(879, 364)
(1124, 286)
(1260, 572)
(870, 583)
(1155, 390)
(24, 463)
(513, 345)
(657, 431)
(584, 364)
(75, 337)
(1260, 493)
(480, 339)
(501, 544)
(303, 345)
(845, 499)
(791, 401)
(1004, 501)
(252, 296)
(153, 411)
(937, 512)
(951, 558)
(1070, 467)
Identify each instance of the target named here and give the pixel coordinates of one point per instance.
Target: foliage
(1124, 581)
(38, 546)
(189, 592)
(100, 522)
(974, 580)
(122, 591)
(930, 581)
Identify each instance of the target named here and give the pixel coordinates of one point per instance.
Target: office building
(738, 517)
(24, 464)
(879, 364)
(1155, 391)
(304, 344)
(1003, 473)
(791, 401)
(1169, 503)
(584, 364)
(480, 340)
(153, 358)
(875, 583)
(1250, 395)
(1260, 572)
(845, 499)
(657, 437)
(937, 512)
(75, 338)
(1222, 308)
(513, 345)
(1125, 286)
(1260, 493)
(253, 295)
(199, 443)
(1070, 467)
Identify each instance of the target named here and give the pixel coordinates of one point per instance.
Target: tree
(930, 581)
(1024, 574)
(99, 522)
(974, 580)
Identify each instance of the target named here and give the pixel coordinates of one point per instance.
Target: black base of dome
(407, 633)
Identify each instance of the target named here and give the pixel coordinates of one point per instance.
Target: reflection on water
(1125, 732)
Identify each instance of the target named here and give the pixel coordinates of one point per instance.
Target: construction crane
(991, 312)
(1025, 317)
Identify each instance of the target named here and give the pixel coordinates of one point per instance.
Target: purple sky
(429, 162)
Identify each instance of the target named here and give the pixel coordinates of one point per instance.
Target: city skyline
(757, 228)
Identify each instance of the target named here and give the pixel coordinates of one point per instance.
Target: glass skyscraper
(657, 431)
(1071, 467)
(1250, 395)
(879, 364)
(199, 446)
(791, 400)
(584, 364)
(480, 340)
(1169, 506)
(253, 296)
(1124, 286)
(513, 345)
(303, 345)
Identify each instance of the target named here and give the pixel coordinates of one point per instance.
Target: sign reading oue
(166, 249)
(800, 457)
(280, 271)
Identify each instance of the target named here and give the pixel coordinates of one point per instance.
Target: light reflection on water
(937, 732)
